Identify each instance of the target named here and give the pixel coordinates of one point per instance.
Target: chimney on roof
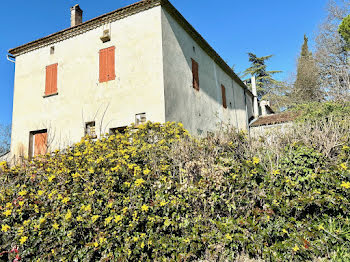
(263, 105)
(255, 99)
(76, 15)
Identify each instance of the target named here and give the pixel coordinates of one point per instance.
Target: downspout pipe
(11, 58)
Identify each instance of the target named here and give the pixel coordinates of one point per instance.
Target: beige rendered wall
(138, 86)
(198, 111)
(250, 107)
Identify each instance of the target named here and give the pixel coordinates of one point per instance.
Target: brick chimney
(263, 105)
(76, 15)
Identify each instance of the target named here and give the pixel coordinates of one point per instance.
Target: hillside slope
(158, 194)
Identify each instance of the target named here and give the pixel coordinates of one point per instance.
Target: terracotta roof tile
(121, 13)
(275, 119)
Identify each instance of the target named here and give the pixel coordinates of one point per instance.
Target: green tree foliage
(344, 30)
(5, 138)
(157, 194)
(264, 79)
(316, 111)
(306, 87)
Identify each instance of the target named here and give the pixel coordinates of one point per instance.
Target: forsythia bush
(157, 194)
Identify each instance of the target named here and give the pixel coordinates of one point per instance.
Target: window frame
(88, 126)
(32, 134)
(138, 119)
(116, 130)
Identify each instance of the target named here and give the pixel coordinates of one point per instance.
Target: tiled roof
(275, 119)
(124, 12)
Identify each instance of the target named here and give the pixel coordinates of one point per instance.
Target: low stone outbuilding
(272, 122)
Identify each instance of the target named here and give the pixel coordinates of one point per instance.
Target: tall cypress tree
(306, 86)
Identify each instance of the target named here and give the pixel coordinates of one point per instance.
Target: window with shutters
(38, 143)
(51, 80)
(107, 64)
(195, 75)
(223, 93)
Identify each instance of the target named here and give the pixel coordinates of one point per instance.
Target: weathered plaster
(138, 86)
(153, 75)
(199, 111)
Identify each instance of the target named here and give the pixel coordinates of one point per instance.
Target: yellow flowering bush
(157, 194)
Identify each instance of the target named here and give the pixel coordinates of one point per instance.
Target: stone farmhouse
(142, 62)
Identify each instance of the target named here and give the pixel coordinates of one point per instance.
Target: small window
(51, 80)
(223, 93)
(105, 36)
(52, 50)
(195, 75)
(90, 129)
(194, 49)
(107, 64)
(116, 130)
(140, 119)
(38, 143)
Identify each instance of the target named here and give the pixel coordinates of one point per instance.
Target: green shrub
(157, 194)
(323, 110)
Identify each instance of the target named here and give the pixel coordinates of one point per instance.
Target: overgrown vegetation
(332, 111)
(321, 75)
(158, 194)
(332, 54)
(344, 30)
(5, 137)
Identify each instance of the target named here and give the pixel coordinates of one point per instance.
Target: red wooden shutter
(111, 63)
(40, 144)
(223, 93)
(103, 65)
(51, 79)
(195, 75)
(107, 64)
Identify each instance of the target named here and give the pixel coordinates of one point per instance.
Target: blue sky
(232, 27)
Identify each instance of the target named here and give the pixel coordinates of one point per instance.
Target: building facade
(143, 62)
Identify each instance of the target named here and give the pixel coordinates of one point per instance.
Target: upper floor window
(223, 94)
(51, 80)
(195, 74)
(107, 64)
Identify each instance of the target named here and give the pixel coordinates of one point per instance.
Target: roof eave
(86, 26)
(127, 11)
(203, 43)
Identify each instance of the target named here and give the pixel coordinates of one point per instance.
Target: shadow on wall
(218, 99)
